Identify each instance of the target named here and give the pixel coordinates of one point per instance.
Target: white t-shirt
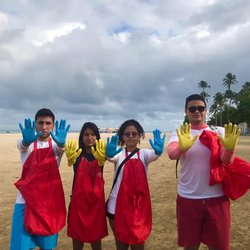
(26, 151)
(146, 156)
(195, 169)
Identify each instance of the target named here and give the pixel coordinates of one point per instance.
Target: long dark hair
(94, 128)
(127, 123)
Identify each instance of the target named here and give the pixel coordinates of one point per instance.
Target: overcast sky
(107, 61)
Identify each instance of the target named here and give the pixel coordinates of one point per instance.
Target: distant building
(108, 130)
(243, 127)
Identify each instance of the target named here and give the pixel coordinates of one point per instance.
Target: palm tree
(228, 81)
(205, 95)
(204, 85)
(217, 107)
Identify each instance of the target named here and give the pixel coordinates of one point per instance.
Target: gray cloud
(110, 61)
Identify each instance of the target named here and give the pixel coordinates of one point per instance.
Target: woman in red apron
(87, 216)
(129, 205)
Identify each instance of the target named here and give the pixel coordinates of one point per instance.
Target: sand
(163, 194)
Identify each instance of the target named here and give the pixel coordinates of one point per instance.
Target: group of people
(202, 209)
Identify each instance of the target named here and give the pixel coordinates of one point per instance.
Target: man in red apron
(40, 211)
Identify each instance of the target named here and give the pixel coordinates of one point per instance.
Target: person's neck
(130, 149)
(87, 149)
(44, 139)
(199, 126)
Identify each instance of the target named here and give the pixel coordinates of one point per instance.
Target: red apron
(133, 213)
(87, 211)
(42, 190)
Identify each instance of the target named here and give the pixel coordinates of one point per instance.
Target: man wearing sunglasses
(202, 211)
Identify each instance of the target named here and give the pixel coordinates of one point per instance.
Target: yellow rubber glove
(232, 133)
(185, 140)
(71, 151)
(100, 152)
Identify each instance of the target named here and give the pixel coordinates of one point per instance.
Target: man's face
(44, 124)
(196, 112)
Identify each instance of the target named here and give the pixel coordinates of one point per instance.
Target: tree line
(228, 106)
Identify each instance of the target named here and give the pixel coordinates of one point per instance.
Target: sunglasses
(192, 109)
(133, 134)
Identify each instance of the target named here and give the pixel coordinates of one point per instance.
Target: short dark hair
(194, 97)
(45, 112)
(127, 123)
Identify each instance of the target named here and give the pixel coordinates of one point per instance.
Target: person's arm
(158, 143)
(60, 151)
(99, 152)
(111, 148)
(61, 133)
(174, 151)
(72, 151)
(184, 143)
(21, 147)
(29, 133)
(228, 143)
(226, 156)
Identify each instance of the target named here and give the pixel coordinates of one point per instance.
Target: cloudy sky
(106, 61)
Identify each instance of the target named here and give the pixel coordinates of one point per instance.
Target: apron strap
(121, 165)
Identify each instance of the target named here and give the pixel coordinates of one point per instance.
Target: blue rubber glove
(61, 133)
(158, 144)
(29, 132)
(111, 148)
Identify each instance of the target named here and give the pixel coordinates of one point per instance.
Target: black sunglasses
(192, 109)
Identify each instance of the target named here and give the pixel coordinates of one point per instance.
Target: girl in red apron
(87, 215)
(129, 205)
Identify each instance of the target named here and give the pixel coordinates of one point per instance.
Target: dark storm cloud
(107, 62)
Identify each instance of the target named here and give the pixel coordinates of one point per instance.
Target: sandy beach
(163, 186)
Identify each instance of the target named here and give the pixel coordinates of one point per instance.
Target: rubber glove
(72, 152)
(61, 133)
(111, 149)
(100, 152)
(185, 140)
(158, 144)
(231, 137)
(29, 132)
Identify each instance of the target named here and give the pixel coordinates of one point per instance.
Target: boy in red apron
(129, 205)
(87, 211)
(40, 211)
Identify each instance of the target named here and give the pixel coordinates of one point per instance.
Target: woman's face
(131, 137)
(89, 138)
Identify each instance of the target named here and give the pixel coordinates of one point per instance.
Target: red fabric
(235, 177)
(208, 218)
(41, 187)
(133, 213)
(87, 210)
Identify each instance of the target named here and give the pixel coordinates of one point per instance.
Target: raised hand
(72, 152)
(29, 132)
(100, 152)
(111, 149)
(61, 133)
(158, 144)
(184, 137)
(232, 133)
